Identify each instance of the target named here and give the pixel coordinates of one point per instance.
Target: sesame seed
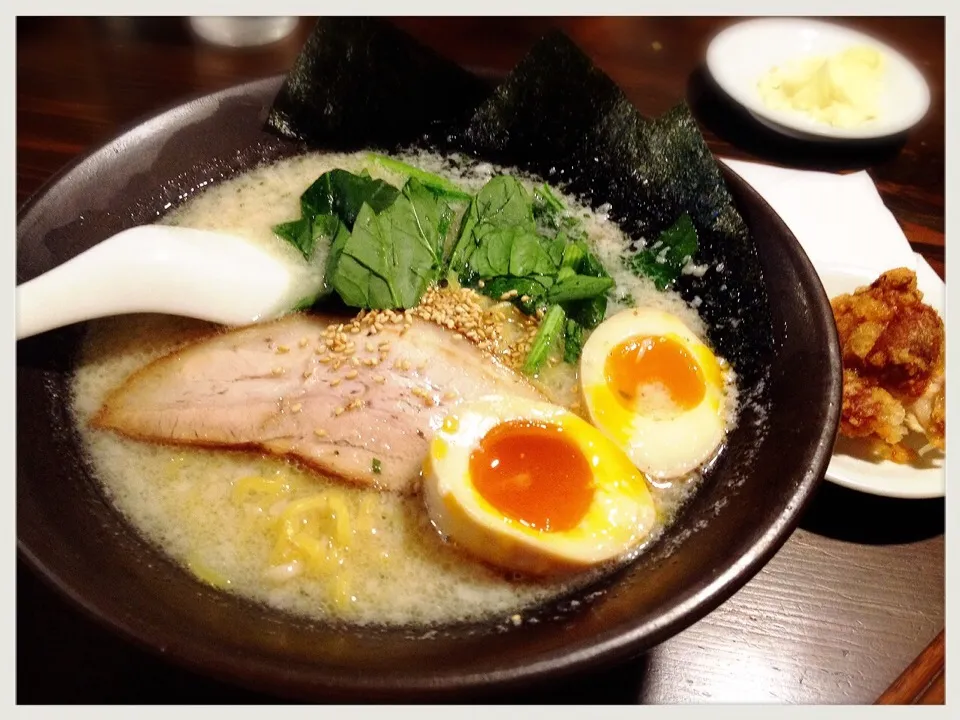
(335, 382)
(282, 349)
(351, 375)
(379, 379)
(296, 407)
(338, 411)
(320, 432)
(277, 371)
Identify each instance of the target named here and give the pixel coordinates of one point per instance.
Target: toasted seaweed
(555, 115)
(552, 97)
(362, 83)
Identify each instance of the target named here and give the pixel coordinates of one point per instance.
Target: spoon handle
(162, 269)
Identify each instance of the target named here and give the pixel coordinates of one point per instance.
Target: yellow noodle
(341, 516)
(254, 484)
(315, 553)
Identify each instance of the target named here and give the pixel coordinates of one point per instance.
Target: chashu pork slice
(363, 410)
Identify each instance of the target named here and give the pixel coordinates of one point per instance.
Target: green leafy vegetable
(298, 233)
(440, 186)
(511, 250)
(387, 246)
(590, 264)
(578, 287)
(335, 195)
(551, 327)
(341, 193)
(547, 207)
(504, 201)
(390, 259)
(526, 293)
(588, 313)
(376, 466)
(663, 261)
(572, 341)
(574, 255)
(464, 245)
(525, 249)
(339, 235)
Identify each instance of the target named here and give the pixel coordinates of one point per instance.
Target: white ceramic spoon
(164, 269)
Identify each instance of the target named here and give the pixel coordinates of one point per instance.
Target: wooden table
(852, 598)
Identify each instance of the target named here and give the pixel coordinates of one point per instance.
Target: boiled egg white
(652, 386)
(528, 486)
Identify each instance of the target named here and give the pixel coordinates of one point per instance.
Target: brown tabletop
(855, 595)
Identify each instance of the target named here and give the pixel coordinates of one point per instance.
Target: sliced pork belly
(358, 401)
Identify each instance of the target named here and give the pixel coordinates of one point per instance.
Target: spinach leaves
(385, 244)
(388, 245)
(439, 186)
(524, 248)
(335, 195)
(551, 327)
(664, 259)
(392, 257)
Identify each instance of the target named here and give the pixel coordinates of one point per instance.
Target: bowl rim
(796, 125)
(294, 681)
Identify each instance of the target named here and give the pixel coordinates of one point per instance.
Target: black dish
(66, 530)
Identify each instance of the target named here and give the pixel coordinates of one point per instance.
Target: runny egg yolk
(641, 363)
(533, 473)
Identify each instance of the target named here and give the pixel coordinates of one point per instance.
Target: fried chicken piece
(893, 348)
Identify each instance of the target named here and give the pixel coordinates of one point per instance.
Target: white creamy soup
(220, 513)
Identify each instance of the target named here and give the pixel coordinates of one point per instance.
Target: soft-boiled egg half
(652, 386)
(531, 487)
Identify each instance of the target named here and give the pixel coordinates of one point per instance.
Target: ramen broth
(217, 512)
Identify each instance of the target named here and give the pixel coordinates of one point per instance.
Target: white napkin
(839, 220)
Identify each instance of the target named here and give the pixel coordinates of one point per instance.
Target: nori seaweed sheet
(363, 83)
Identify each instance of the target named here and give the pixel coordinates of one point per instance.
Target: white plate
(741, 54)
(850, 466)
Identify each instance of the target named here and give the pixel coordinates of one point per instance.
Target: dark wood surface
(855, 595)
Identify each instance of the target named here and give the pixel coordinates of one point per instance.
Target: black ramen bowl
(68, 532)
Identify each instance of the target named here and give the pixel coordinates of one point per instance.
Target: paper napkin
(839, 220)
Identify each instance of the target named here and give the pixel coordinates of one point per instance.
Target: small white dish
(741, 54)
(850, 466)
